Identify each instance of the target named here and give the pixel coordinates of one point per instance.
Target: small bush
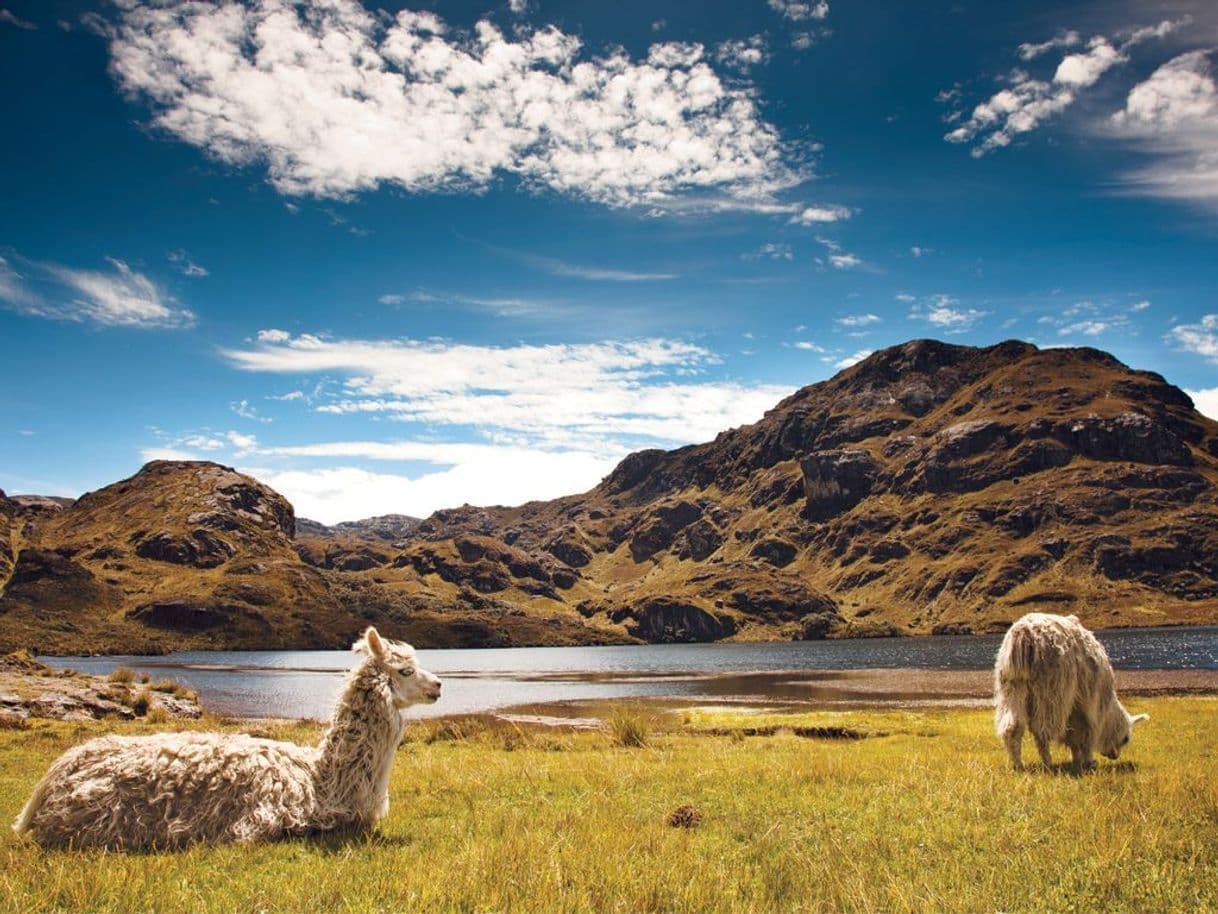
(157, 715)
(140, 703)
(629, 727)
(122, 676)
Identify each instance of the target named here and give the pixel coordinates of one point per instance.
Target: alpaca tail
(26, 818)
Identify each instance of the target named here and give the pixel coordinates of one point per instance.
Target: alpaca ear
(1138, 718)
(376, 647)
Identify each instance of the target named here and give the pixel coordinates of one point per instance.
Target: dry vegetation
(492, 816)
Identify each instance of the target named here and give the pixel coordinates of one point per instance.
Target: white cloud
(857, 320)
(336, 100)
(518, 7)
(853, 359)
(821, 213)
(808, 345)
(1086, 328)
(120, 298)
(243, 409)
(771, 251)
(186, 266)
(1206, 401)
(602, 274)
(273, 336)
(9, 18)
(591, 395)
(798, 11)
(1140, 306)
(1172, 117)
(1029, 101)
(1200, 338)
(392, 299)
(919, 251)
(1030, 51)
(501, 476)
(743, 54)
(941, 311)
(844, 261)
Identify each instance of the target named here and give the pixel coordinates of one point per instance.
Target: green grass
(497, 818)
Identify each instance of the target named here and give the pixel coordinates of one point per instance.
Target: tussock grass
(122, 676)
(927, 817)
(175, 689)
(630, 726)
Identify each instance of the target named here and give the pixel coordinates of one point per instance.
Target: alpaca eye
(406, 671)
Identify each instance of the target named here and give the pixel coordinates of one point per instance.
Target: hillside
(930, 488)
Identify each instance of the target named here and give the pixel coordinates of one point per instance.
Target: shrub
(140, 703)
(122, 676)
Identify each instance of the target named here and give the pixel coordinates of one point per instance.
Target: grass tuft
(122, 676)
(629, 727)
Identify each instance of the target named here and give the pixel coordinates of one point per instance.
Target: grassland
(921, 815)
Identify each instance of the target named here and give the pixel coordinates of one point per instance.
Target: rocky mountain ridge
(930, 488)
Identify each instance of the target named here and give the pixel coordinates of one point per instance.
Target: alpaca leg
(1012, 738)
(1042, 746)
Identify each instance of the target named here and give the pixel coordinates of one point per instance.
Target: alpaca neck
(357, 751)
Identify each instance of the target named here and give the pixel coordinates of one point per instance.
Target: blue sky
(398, 258)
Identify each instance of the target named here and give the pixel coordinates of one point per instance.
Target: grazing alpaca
(172, 789)
(1053, 677)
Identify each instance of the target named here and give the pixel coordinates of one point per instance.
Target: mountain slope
(930, 488)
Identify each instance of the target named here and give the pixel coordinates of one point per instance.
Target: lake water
(305, 683)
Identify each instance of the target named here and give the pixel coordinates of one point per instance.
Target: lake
(305, 683)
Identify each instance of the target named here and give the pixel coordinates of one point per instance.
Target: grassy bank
(921, 814)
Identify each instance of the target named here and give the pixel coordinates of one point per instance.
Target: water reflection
(305, 683)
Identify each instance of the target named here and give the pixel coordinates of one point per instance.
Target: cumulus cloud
(1028, 101)
(617, 394)
(845, 261)
(1206, 401)
(744, 53)
(1200, 338)
(334, 100)
(120, 297)
(942, 311)
(798, 11)
(1172, 117)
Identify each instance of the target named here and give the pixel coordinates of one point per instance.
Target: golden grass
(498, 818)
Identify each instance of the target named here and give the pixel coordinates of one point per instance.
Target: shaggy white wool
(172, 789)
(1053, 677)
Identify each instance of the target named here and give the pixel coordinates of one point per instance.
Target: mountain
(928, 489)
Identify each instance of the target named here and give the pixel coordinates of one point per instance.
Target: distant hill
(930, 488)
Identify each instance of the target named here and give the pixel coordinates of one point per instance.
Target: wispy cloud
(629, 393)
(120, 297)
(186, 266)
(7, 17)
(818, 214)
(857, 320)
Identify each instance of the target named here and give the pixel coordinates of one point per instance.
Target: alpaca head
(409, 684)
(1116, 730)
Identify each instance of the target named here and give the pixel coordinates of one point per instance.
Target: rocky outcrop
(664, 620)
(837, 480)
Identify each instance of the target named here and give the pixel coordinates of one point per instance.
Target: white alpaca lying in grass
(172, 789)
(1052, 677)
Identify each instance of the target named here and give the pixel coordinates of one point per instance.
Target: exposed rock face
(664, 620)
(929, 488)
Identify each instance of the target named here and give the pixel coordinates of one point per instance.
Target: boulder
(667, 620)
